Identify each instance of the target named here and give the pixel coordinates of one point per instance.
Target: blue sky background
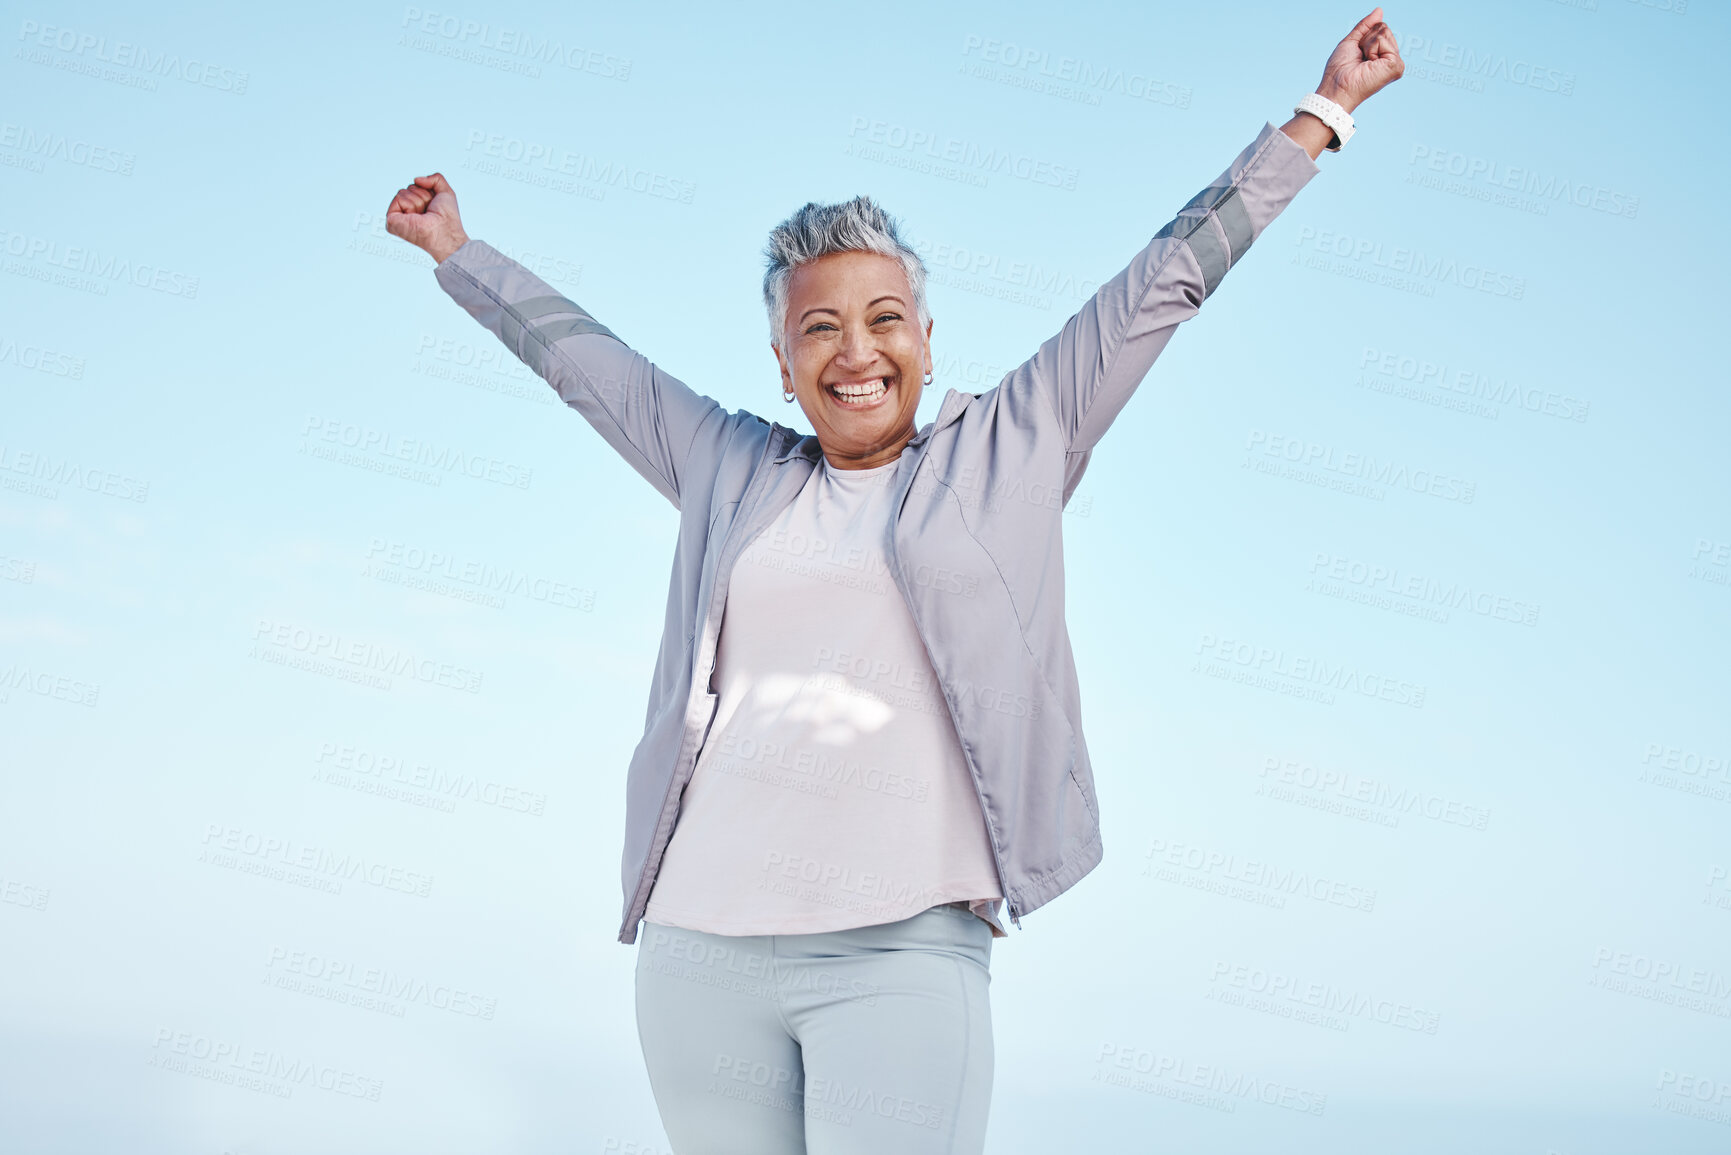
(196, 276)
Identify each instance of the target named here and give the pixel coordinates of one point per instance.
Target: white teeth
(862, 392)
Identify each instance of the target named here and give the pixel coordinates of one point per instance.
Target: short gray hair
(817, 231)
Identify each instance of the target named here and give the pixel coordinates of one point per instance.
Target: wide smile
(865, 393)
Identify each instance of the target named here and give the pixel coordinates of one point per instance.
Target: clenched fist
(1362, 64)
(425, 215)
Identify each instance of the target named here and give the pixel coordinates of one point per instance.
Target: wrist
(1334, 119)
(441, 251)
(1309, 133)
(1338, 95)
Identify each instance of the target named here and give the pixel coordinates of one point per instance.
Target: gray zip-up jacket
(976, 546)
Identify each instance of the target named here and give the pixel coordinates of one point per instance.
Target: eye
(890, 316)
(820, 325)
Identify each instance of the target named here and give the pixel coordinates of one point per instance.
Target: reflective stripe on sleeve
(1213, 255)
(536, 307)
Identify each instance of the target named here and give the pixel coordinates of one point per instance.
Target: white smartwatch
(1331, 114)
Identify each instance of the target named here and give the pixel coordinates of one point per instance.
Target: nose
(858, 350)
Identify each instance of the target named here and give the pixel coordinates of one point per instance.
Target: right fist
(425, 215)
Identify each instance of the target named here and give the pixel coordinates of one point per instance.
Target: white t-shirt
(832, 791)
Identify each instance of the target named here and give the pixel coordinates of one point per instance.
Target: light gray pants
(866, 1041)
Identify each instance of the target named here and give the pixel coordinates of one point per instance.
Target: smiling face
(853, 353)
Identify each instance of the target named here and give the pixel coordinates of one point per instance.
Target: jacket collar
(790, 443)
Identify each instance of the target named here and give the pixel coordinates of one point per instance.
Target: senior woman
(863, 743)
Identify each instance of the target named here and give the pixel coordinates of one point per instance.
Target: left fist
(1362, 64)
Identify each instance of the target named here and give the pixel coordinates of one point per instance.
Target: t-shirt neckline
(873, 471)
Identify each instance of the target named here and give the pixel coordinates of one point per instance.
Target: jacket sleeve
(654, 420)
(1086, 373)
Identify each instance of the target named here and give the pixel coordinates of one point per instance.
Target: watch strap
(1331, 114)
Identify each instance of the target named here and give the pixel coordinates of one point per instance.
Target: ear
(786, 377)
(928, 368)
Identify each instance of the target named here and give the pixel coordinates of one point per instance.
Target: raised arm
(1085, 373)
(651, 418)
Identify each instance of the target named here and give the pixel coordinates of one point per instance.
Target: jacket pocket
(1084, 787)
(723, 518)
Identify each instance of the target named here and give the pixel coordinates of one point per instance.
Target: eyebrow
(869, 304)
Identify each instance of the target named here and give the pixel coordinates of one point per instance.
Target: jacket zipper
(639, 900)
(943, 686)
